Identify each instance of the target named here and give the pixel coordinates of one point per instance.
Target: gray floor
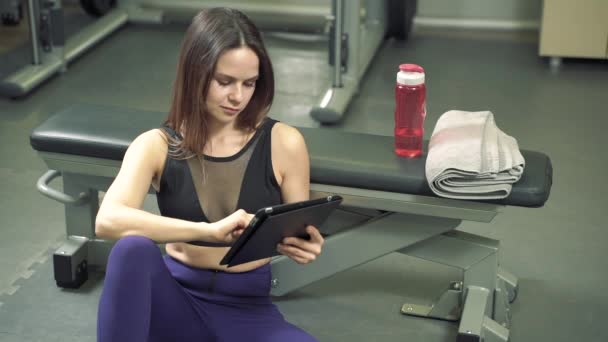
(556, 251)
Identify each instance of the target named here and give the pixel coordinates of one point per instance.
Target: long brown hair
(212, 32)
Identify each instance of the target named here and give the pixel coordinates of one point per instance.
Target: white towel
(470, 158)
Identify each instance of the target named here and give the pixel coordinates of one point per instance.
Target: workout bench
(86, 143)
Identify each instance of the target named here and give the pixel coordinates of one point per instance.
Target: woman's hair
(212, 32)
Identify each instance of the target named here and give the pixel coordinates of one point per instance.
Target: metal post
(338, 19)
(33, 20)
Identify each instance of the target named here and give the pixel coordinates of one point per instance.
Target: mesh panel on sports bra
(218, 181)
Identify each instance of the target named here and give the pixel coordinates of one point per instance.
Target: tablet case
(273, 224)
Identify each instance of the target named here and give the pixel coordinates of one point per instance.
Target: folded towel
(470, 158)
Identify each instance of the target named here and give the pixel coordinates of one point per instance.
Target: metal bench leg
(510, 283)
(475, 324)
(447, 307)
(70, 261)
(477, 257)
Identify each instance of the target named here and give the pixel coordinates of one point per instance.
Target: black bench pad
(337, 157)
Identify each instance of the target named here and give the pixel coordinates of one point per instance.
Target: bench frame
(419, 226)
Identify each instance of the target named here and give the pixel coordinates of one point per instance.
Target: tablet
(270, 225)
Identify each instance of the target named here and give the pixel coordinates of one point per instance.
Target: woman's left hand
(300, 250)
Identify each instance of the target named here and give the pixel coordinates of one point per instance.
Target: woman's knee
(133, 249)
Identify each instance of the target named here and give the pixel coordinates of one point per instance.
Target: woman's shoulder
(287, 139)
(155, 136)
(152, 142)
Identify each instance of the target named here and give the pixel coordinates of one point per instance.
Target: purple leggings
(148, 297)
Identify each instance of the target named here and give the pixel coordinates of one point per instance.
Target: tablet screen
(270, 225)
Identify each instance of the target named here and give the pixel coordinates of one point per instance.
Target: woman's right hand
(227, 230)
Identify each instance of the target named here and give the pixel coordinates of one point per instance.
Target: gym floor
(556, 251)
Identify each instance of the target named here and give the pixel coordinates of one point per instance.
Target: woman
(217, 159)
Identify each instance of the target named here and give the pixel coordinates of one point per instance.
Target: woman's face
(232, 84)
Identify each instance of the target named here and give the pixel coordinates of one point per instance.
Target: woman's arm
(120, 212)
(294, 168)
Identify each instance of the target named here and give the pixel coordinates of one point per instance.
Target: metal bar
(92, 34)
(277, 16)
(27, 78)
(502, 308)
(446, 307)
(286, 9)
(511, 283)
(411, 204)
(364, 39)
(85, 166)
(475, 309)
(494, 332)
(33, 21)
(80, 220)
(334, 103)
(47, 64)
(338, 19)
(43, 187)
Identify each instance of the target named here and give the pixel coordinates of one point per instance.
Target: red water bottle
(410, 110)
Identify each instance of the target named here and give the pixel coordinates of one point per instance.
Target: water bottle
(410, 110)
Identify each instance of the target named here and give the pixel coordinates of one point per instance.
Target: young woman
(215, 161)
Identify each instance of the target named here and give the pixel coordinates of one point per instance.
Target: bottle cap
(410, 74)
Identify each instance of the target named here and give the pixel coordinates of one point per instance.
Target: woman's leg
(266, 327)
(239, 309)
(141, 301)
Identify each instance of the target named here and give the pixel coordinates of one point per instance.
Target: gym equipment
(51, 51)
(11, 12)
(356, 29)
(85, 144)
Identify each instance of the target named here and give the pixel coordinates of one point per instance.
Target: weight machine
(355, 29)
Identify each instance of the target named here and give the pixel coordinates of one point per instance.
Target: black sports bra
(207, 189)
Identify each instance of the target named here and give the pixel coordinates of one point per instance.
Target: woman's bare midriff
(208, 257)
